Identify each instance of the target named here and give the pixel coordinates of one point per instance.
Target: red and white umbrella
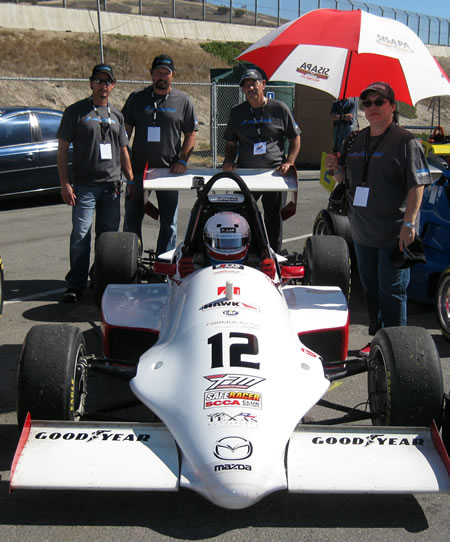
(342, 52)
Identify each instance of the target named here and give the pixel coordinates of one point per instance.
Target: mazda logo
(233, 448)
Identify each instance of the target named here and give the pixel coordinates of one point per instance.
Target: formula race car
(226, 358)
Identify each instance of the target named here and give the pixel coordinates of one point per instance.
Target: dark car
(28, 147)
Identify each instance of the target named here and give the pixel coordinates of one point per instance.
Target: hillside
(70, 55)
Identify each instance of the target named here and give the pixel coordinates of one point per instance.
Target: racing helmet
(227, 237)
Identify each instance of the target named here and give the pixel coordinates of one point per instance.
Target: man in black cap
(256, 133)
(386, 172)
(159, 114)
(97, 131)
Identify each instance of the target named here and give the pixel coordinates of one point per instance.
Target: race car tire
(327, 223)
(1, 287)
(443, 302)
(116, 261)
(327, 262)
(405, 383)
(51, 376)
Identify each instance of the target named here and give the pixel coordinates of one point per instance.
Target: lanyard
(368, 156)
(105, 128)
(258, 122)
(157, 104)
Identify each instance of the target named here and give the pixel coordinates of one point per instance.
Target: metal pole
(204, 10)
(278, 13)
(231, 11)
(100, 39)
(173, 8)
(256, 12)
(214, 135)
(140, 7)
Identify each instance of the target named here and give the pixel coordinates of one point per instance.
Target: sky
(437, 8)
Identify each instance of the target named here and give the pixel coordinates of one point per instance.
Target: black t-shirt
(87, 127)
(275, 123)
(397, 163)
(173, 116)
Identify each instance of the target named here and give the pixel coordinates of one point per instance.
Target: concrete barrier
(79, 20)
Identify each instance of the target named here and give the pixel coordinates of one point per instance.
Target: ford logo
(231, 313)
(233, 448)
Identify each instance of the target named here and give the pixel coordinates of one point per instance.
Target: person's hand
(332, 162)
(178, 168)
(131, 189)
(228, 166)
(284, 168)
(67, 194)
(407, 236)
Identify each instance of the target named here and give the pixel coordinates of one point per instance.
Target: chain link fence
(270, 13)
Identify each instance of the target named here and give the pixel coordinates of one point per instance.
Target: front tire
(443, 302)
(404, 378)
(327, 262)
(52, 378)
(116, 261)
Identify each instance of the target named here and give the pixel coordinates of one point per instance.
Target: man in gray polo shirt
(256, 133)
(97, 131)
(159, 115)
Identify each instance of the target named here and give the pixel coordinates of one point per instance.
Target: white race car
(226, 358)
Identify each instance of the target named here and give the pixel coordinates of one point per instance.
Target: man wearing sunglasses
(96, 130)
(385, 170)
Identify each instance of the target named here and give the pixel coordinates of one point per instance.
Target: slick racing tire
(405, 378)
(1, 287)
(52, 377)
(327, 262)
(327, 223)
(116, 261)
(443, 302)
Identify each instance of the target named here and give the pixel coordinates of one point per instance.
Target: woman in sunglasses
(385, 170)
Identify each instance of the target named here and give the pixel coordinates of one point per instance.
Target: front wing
(130, 456)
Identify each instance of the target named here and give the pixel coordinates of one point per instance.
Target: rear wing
(257, 180)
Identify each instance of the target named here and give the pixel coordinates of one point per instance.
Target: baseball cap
(250, 74)
(164, 61)
(410, 255)
(102, 68)
(382, 88)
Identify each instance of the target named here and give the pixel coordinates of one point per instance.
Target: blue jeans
(340, 132)
(168, 216)
(104, 200)
(384, 287)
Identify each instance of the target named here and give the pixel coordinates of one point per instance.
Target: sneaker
(71, 295)
(365, 352)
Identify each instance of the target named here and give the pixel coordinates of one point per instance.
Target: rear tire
(405, 378)
(327, 223)
(327, 262)
(116, 261)
(51, 377)
(443, 302)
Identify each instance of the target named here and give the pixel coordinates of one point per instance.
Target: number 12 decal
(237, 349)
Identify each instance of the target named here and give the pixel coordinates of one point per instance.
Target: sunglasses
(106, 82)
(377, 103)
